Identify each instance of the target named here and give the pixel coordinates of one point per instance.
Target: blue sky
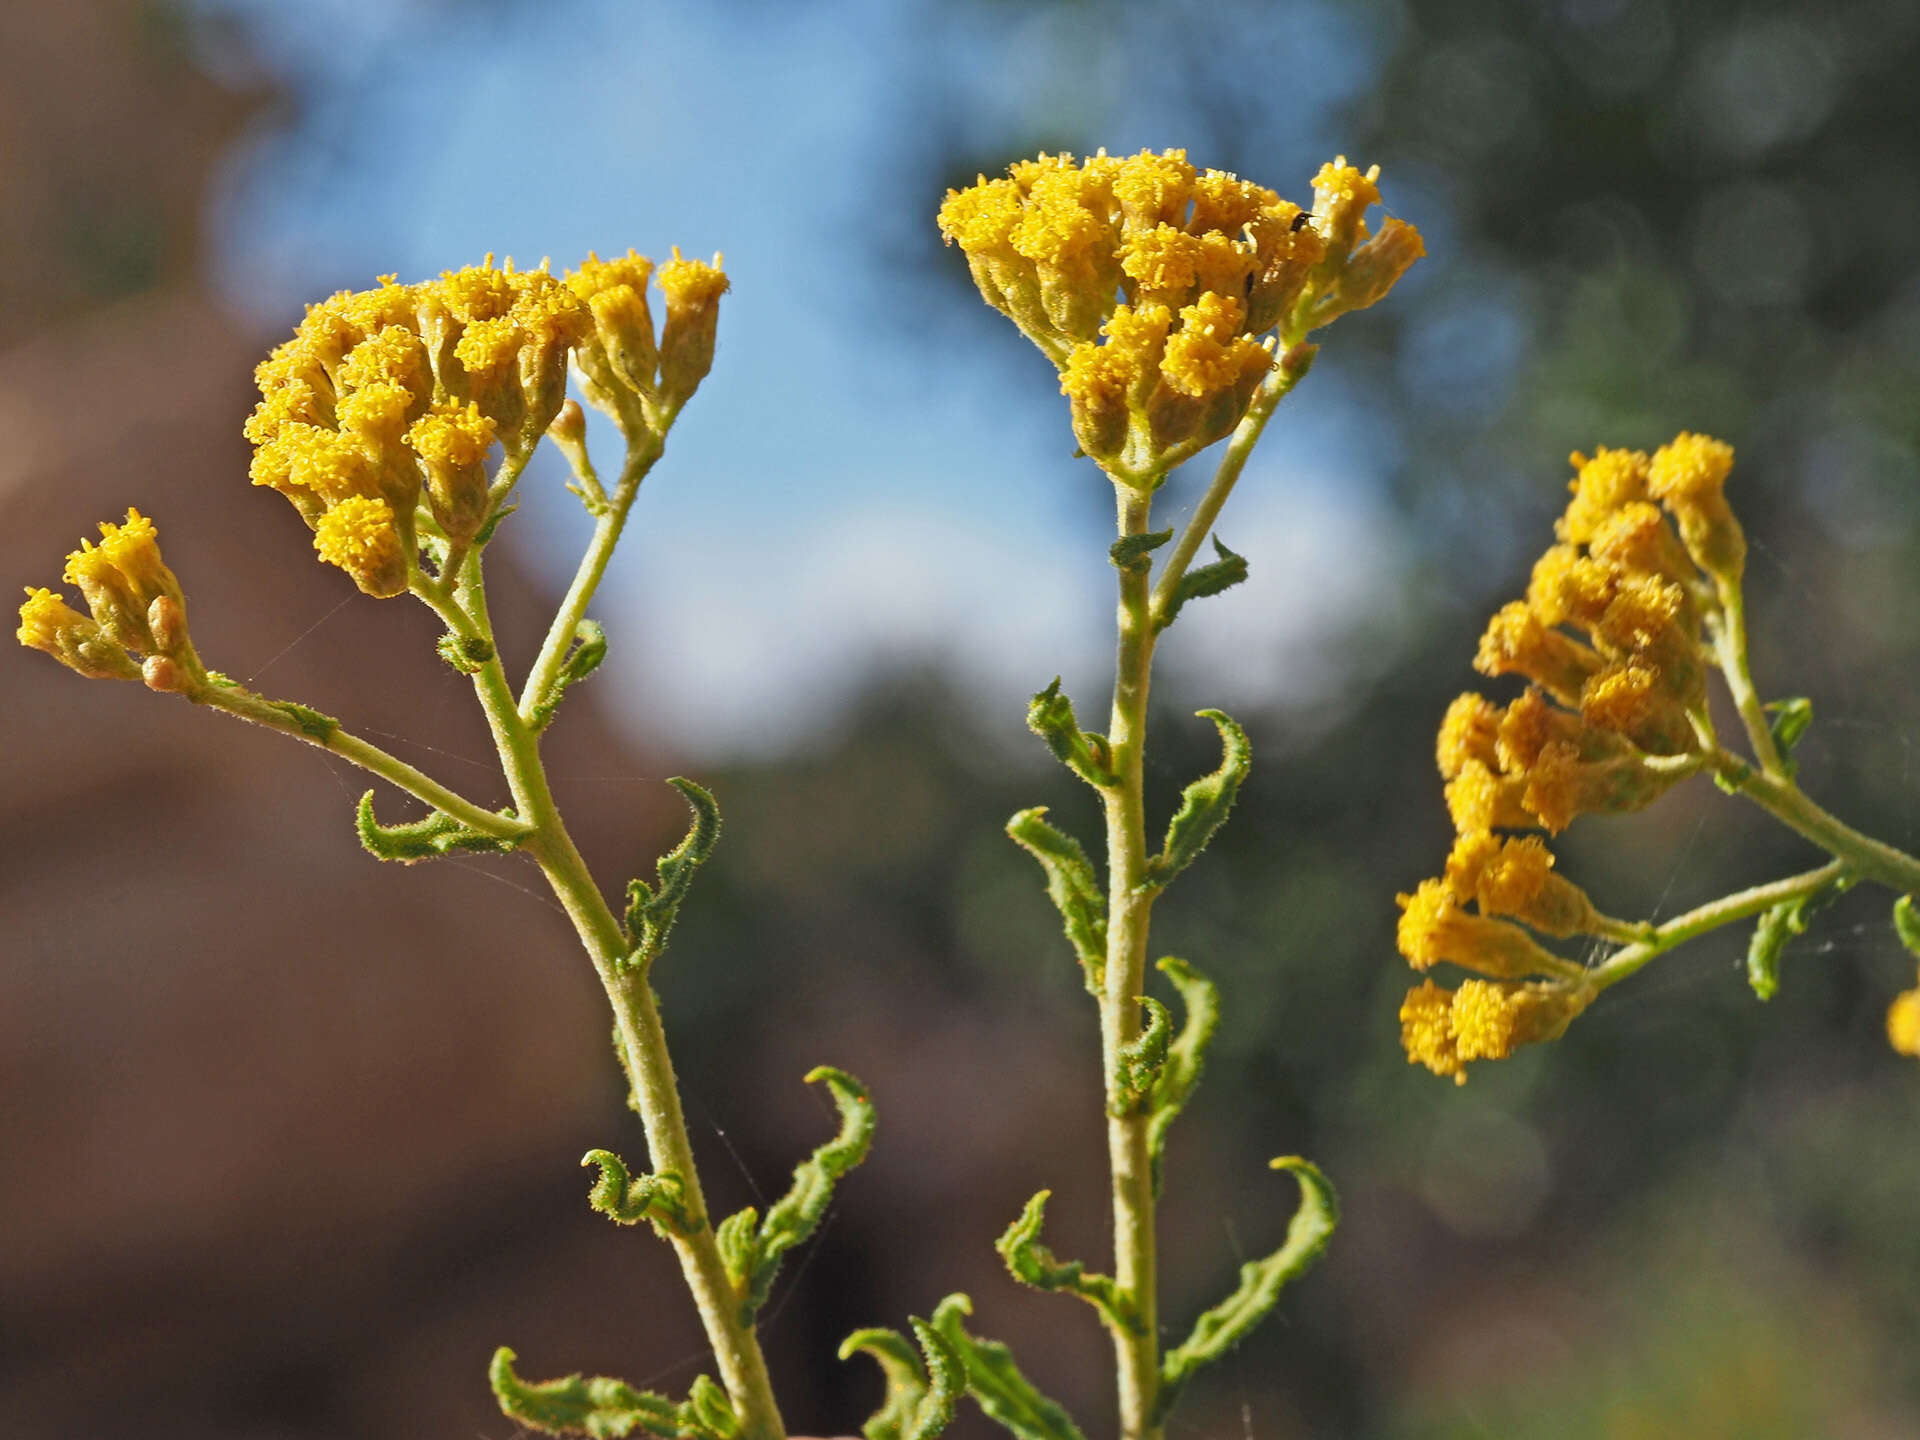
(871, 475)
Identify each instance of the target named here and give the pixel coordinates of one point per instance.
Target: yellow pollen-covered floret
(1478, 799)
(1468, 731)
(89, 564)
(1206, 354)
(360, 536)
(487, 347)
(1568, 587)
(692, 283)
(1903, 1020)
(1426, 1031)
(1152, 188)
(44, 616)
(1433, 927)
(594, 275)
(452, 436)
(1690, 468)
(1610, 480)
(130, 547)
(1342, 195)
(377, 412)
(1517, 641)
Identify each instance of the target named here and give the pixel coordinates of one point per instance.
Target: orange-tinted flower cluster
(377, 416)
(1609, 638)
(137, 611)
(1148, 284)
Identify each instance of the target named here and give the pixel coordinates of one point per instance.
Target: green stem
(1290, 370)
(593, 565)
(1730, 645)
(1129, 905)
(1711, 916)
(1868, 858)
(326, 733)
(643, 1041)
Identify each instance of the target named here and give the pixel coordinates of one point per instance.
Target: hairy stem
(1290, 370)
(643, 1042)
(593, 565)
(1730, 646)
(1711, 916)
(1129, 905)
(303, 724)
(1866, 857)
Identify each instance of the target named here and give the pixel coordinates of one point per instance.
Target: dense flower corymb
(1149, 284)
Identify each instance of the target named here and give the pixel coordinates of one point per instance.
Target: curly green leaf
(738, 1238)
(1072, 888)
(1906, 924)
(1186, 1056)
(1141, 1060)
(906, 1379)
(1204, 804)
(439, 834)
(1261, 1281)
(588, 649)
(1051, 717)
(1031, 1263)
(628, 1199)
(1781, 924)
(651, 912)
(1788, 726)
(1006, 1396)
(598, 1406)
(466, 653)
(1134, 553)
(1223, 574)
(797, 1214)
(709, 1410)
(307, 720)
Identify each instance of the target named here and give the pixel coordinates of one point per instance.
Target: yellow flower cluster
(1148, 284)
(137, 609)
(1903, 1022)
(1609, 638)
(377, 416)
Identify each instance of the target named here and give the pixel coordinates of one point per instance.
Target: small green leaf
(1906, 924)
(1770, 936)
(1779, 925)
(588, 648)
(921, 1396)
(599, 1407)
(1072, 888)
(995, 1382)
(439, 834)
(1204, 804)
(1134, 553)
(1791, 719)
(1050, 716)
(467, 654)
(1141, 1059)
(628, 1199)
(710, 1411)
(1261, 1281)
(650, 913)
(1223, 574)
(1186, 1056)
(492, 524)
(738, 1237)
(306, 719)
(905, 1375)
(1032, 1263)
(797, 1214)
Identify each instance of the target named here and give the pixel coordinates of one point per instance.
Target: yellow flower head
(361, 537)
(1469, 731)
(1689, 477)
(693, 290)
(452, 443)
(1445, 1031)
(1433, 928)
(1515, 877)
(1903, 1023)
(1478, 799)
(1602, 485)
(77, 641)
(1519, 642)
(1066, 249)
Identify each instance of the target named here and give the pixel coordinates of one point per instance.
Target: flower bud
(166, 675)
(363, 538)
(77, 641)
(693, 292)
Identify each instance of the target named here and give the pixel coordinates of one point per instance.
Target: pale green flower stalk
(1176, 306)
(377, 422)
(1622, 623)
